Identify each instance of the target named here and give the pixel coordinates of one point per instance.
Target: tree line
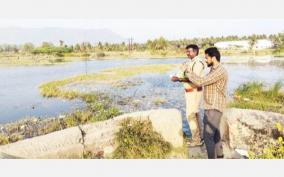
(158, 44)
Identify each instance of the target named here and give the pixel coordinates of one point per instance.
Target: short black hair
(213, 52)
(194, 47)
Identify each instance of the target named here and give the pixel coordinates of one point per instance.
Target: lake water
(20, 97)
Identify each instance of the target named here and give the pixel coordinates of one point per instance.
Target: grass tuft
(136, 139)
(3, 139)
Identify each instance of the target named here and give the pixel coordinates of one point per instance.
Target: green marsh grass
(253, 95)
(54, 88)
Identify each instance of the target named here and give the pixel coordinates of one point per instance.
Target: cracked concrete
(94, 138)
(237, 127)
(59, 144)
(82, 140)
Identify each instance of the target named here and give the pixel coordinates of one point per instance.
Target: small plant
(91, 155)
(159, 101)
(3, 139)
(101, 54)
(54, 126)
(14, 138)
(164, 53)
(274, 150)
(70, 121)
(136, 139)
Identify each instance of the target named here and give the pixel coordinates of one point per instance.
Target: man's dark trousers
(212, 136)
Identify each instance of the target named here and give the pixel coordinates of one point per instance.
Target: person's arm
(184, 80)
(177, 79)
(181, 77)
(212, 77)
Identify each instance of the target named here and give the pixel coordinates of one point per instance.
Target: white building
(263, 44)
(244, 44)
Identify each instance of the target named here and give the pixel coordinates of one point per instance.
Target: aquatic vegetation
(136, 139)
(253, 95)
(54, 88)
(98, 108)
(159, 101)
(93, 113)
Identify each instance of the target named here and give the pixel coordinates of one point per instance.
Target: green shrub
(14, 138)
(52, 126)
(70, 121)
(101, 54)
(3, 139)
(164, 53)
(137, 139)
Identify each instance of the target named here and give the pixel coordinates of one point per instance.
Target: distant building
(263, 44)
(244, 44)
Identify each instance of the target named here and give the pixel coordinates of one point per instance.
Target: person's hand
(175, 79)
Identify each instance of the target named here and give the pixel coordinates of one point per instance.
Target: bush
(14, 138)
(101, 54)
(164, 53)
(3, 139)
(59, 60)
(52, 126)
(137, 139)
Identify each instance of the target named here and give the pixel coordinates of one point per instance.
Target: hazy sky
(143, 29)
(86, 9)
(147, 19)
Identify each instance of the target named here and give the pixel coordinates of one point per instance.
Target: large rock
(95, 137)
(244, 128)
